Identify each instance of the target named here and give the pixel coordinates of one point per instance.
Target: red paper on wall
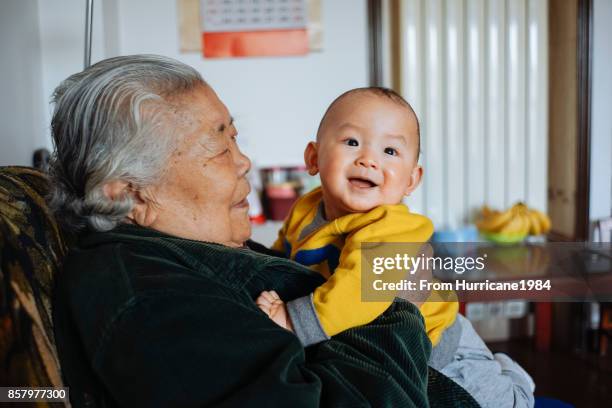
(243, 28)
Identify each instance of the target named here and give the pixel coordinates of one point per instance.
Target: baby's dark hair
(378, 91)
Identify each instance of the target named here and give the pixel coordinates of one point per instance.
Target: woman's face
(203, 193)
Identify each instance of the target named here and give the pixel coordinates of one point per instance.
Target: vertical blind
(476, 73)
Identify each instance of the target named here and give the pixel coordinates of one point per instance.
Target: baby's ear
(414, 180)
(311, 158)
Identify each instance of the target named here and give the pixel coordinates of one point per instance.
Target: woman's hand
(272, 305)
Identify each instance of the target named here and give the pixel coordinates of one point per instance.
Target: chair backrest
(31, 249)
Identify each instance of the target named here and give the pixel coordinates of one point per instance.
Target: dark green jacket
(146, 319)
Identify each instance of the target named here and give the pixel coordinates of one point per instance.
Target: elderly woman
(155, 303)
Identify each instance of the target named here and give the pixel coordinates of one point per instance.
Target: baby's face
(366, 154)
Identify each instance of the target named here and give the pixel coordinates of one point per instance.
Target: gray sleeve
(444, 352)
(305, 321)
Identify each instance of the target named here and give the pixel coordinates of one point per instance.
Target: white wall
(601, 113)
(22, 124)
(277, 102)
(62, 35)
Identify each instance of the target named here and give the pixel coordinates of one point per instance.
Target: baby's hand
(275, 308)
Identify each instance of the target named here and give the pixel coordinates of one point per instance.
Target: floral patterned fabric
(31, 249)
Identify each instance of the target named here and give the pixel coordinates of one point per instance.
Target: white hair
(111, 122)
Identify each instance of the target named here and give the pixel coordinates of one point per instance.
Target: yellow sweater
(333, 250)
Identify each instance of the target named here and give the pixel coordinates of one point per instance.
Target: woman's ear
(311, 158)
(414, 180)
(144, 211)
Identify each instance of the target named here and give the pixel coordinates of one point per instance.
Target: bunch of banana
(518, 221)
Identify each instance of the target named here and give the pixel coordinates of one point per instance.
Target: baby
(366, 154)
